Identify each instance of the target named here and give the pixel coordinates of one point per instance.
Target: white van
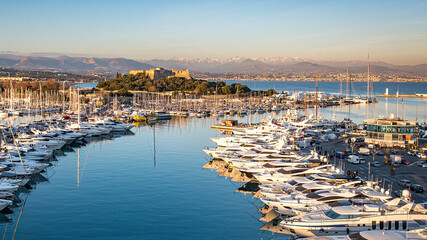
(353, 159)
(364, 151)
(396, 159)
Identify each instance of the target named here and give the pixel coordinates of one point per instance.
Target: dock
(403, 96)
(229, 125)
(228, 128)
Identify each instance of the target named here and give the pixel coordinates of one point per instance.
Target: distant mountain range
(71, 64)
(230, 65)
(282, 65)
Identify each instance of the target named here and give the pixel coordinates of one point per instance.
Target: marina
(148, 151)
(254, 120)
(302, 196)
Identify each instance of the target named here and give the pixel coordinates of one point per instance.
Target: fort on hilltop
(157, 73)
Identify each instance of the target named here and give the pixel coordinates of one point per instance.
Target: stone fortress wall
(157, 73)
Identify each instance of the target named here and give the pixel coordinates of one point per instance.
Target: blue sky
(392, 31)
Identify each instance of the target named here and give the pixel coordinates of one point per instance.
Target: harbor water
(151, 185)
(116, 189)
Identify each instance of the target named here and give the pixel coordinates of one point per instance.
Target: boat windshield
(292, 183)
(334, 215)
(330, 213)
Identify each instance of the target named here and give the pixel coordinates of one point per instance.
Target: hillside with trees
(140, 82)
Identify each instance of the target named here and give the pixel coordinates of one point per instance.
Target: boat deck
(228, 128)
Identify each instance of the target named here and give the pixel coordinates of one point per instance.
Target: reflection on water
(412, 109)
(109, 183)
(10, 218)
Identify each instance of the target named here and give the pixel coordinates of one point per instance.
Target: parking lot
(411, 172)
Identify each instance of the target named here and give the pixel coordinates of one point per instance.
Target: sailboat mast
(41, 105)
(317, 76)
(154, 144)
(63, 97)
(368, 93)
(78, 167)
(425, 108)
(416, 112)
(78, 105)
(348, 86)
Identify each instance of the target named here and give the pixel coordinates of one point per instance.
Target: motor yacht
(353, 219)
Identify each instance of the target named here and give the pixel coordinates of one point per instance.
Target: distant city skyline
(390, 31)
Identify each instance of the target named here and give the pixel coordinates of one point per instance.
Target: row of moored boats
(304, 195)
(28, 150)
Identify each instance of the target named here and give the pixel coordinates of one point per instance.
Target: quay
(229, 125)
(403, 95)
(296, 167)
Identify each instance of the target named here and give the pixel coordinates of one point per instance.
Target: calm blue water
(121, 195)
(358, 88)
(92, 84)
(412, 109)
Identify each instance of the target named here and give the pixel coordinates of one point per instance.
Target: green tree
(124, 92)
(227, 89)
(270, 92)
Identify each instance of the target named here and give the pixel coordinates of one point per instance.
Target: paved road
(410, 172)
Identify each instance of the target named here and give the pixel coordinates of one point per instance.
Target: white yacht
(416, 234)
(4, 203)
(115, 126)
(289, 173)
(353, 219)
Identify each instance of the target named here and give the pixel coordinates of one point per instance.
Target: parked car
(405, 162)
(379, 153)
(422, 156)
(424, 165)
(417, 188)
(398, 193)
(340, 155)
(420, 163)
(365, 151)
(412, 153)
(404, 183)
(376, 164)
